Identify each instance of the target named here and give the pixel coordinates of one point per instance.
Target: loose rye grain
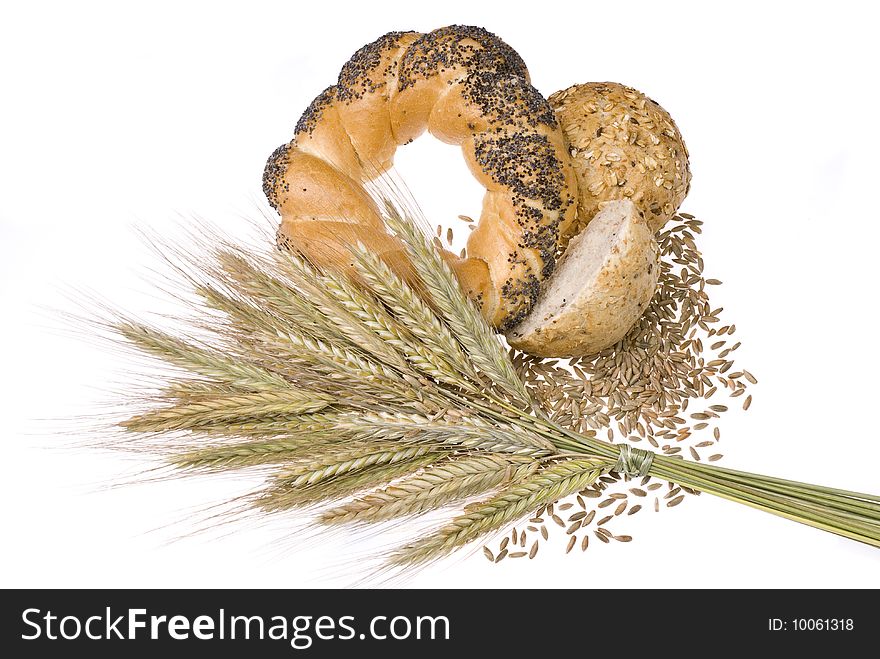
(648, 387)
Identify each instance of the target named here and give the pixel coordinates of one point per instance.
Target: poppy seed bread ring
(467, 87)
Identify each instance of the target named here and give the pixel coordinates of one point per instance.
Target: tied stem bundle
(377, 401)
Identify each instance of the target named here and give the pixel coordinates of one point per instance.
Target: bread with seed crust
(602, 285)
(623, 145)
(467, 87)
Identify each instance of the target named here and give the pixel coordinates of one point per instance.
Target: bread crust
(600, 155)
(603, 284)
(623, 146)
(467, 87)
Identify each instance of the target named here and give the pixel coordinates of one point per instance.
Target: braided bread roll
(467, 87)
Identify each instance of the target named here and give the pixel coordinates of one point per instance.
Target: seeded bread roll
(467, 87)
(601, 287)
(623, 146)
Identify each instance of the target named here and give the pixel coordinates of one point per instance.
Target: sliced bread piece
(601, 287)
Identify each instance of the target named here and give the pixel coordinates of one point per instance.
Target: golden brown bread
(467, 87)
(623, 146)
(633, 173)
(603, 284)
(324, 226)
(546, 176)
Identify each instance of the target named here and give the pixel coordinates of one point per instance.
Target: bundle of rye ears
(362, 399)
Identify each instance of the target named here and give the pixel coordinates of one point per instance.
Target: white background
(114, 118)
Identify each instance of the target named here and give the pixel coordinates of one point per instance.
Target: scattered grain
(640, 389)
(534, 550)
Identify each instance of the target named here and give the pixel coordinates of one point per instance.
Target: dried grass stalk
(436, 486)
(404, 399)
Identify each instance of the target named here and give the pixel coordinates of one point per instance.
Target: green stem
(853, 515)
(791, 509)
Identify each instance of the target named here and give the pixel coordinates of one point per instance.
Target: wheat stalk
(545, 486)
(282, 495)
(463, 318)
(190, 389)
(416, 315)
(272, 293)
(436, 486)
(366, 308)
(238, 374)
(349, 458)
(263, 405)
(360, 385)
